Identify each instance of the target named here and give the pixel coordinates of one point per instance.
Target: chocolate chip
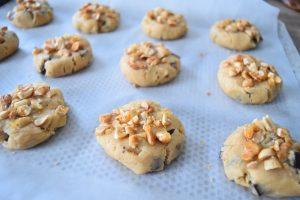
(3, 2)
(256, 189)
(156, 164)
(173, 64)
(178, 147)
(3, 136)
(175, 55)
(43, 70)
(220, 154)
(171, 131)
(296, 162)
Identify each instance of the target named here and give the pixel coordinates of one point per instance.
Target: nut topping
(163, 136)
(30, 6)
(267, 143)
(119, 134)
(165, 17)
(62, 110)
(100, 130)
(4, 114)
(98, 12)
(23, 121)
(41, 90)
(134, 141)
(25, 92)
(3, 30)
(251, 70)
(265, 153)
(62, 46)
(146, 54)
(5, 101)
(43, 122)
(150, 136)
(240, 25)
(272, 163)
(106, 118)
(23, 110)
(28, 102)
(250, 151)
(142, 122)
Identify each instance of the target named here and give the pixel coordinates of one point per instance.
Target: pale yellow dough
(145, 157)
(63, 56)
(163, 70)
(9, 43)
(281, 182)
(262, 92)
(173, 29)
(30, 115)
(31, 13)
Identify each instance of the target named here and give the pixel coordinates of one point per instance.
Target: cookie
(235, 34)
(96, 18)
(263, 156)
(30, 115)
(64, 55)
(164, 24)
(141, 135)
(9, 42)
(30, 13)
(146, 64)
(249, 80)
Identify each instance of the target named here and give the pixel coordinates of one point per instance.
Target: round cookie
(235, 34)
(30, 13)
(30, 115)
(9, 42)
(141, 135)
(164, 24)
(63, 55)
(263, 157)
(146, 64)
(96, 18)
(249, 80)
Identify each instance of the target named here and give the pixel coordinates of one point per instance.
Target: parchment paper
(71, 165)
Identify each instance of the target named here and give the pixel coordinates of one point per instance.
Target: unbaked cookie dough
(30, 115)
(235, 34)
(30, 13)
(63, 55)
(146, 64)
(249, 80)
(9, 42)
(141, 135)
(164, 24)
(96, 18)
(263, 157)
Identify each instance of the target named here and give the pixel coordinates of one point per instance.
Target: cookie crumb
(202, 142)
(56, 163)
(209, 167)
(201, 55)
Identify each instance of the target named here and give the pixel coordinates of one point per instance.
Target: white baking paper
(71, 165)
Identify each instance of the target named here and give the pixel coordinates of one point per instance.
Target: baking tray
(71, 165)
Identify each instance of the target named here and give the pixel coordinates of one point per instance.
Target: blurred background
(290, 15)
